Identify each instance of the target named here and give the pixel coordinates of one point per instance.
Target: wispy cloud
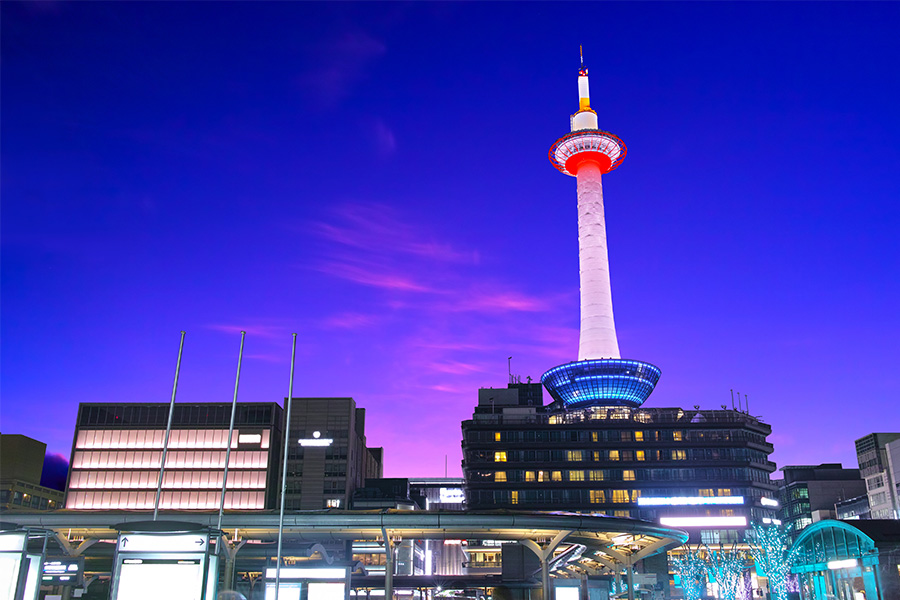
(455, 367)
(263, 331)
(377, 228)
(372, 276)
(340, 64)
(349, 321)
(499, 301)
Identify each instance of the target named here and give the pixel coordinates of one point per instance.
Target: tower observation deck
(600, 377)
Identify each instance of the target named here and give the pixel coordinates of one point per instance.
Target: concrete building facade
(808, 494)
(881, 475)
(328, 458)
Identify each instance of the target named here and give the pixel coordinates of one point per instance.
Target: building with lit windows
(328, 458)
(706, 470)
(808, 494)
(879, 464)
(118, 448)
(21, 466)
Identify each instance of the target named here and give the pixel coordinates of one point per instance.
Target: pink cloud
(349, 321)
(499, 302)
(455, 367)
(373, 278)
(377, 228)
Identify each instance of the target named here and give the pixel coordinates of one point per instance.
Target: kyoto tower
(600, 377)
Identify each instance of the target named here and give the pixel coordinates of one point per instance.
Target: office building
(882, 475)
(852, 509)
(686, 468)
(118, 449)
(21, 466)
(328, 458)
(808, 494)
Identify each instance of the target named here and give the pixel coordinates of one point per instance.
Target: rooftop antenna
(740, 408)
(509, 369)
(747, 403)
(732, 399)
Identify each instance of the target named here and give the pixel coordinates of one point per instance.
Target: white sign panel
(12, 542)
(180, 580)
(137, 542)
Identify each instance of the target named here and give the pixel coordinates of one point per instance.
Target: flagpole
(287, 438)
(162, 463)
(237, 380)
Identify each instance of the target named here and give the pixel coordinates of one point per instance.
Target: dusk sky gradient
(375, 178)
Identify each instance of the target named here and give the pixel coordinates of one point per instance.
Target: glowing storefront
(840, 561)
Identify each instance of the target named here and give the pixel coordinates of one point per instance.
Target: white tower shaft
(598, 328)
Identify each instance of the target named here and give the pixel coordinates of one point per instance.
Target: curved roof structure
(607, 540)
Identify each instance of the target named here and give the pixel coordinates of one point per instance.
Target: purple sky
(375, 178)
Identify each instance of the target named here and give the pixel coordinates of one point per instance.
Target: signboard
(62, 570)
(140, 542)
(174, 565)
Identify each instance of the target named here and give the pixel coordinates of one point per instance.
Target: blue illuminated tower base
(601, 382)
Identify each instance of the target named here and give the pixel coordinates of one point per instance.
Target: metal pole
(237, 380)
(287, 439)
(388, 565)
(162, 463)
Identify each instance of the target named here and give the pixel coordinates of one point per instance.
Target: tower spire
(600, 376)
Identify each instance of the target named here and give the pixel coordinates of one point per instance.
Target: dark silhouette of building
(21, 466)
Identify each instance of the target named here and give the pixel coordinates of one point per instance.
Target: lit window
(496, 436)
(679, 455)
(620, 496)
(639, 455)
(628, 475)
(542, 476)
(635, 494)
(574, 455)
(499, 456)
(639, 436)
(677, 436)
(598, 497)
(529, 476)
(724, 491)
(613, 455)
(514, 497)
(706, 492)
(576, 475)
(596, 475)
(622, 513)
(597, 457)
(500, 476)
(594, 436)
(557, 476)
(333, 503)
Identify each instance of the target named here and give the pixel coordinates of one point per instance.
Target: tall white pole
(287, 440)
(598, 328)
(162, 463)
(237, 380)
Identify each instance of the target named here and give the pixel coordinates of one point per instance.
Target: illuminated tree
(691, 568)
(771, 547)
(728, 568)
